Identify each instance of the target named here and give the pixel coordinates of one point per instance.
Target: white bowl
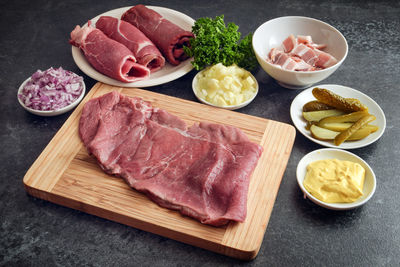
(231, 107)
(273, 32)
(333, 153)
(49, 113)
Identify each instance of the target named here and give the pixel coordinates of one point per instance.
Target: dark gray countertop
(34, 35)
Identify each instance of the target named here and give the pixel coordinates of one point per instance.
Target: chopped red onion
(51, 89)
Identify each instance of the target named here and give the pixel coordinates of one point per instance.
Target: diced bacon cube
(305, 53)
(317, 46)
(325, 60)
(303, 66)
(304, 39)
(292, 63)
(273, 54)
(289, 43)
(285, 61)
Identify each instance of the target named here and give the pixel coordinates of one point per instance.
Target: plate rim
(182, 69)
(353, 144)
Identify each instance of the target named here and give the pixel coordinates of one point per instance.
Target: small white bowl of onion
(51, 92)
(225, 87)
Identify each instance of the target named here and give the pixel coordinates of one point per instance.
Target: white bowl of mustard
(368, 188)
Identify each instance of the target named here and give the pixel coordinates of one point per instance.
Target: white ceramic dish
(232, 107)
(273, 32)
(300, 123)
(330, 153)
(166, 74)
(51, 112)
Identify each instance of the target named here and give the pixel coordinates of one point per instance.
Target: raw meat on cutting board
(202, 171)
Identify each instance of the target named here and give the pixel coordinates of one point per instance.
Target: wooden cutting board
(65, 174)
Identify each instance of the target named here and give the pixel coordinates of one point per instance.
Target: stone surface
(34, 35)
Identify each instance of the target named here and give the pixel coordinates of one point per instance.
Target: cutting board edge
(151, 228)
(249, 253)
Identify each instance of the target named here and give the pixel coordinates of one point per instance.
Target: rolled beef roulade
(108, 56)
(167, 36)
(145, 52)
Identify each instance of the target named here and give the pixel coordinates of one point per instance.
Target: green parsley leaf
(215, 42)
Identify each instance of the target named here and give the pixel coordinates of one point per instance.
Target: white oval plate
(333, 153)
(166, 74)
(232, 107)
(50, 113)
(300, 123)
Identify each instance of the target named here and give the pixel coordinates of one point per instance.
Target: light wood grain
(65, 174)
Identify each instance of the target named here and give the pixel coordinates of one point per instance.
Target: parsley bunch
(215, 42)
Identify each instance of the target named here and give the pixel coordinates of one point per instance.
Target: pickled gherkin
(346, 104)
(315, 105)
(349, 117)
(343, 136)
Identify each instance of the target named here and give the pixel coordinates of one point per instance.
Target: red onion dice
(51, 89)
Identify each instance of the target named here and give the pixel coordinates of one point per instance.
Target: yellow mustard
(335, 181)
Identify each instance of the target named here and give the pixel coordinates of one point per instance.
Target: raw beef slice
(145, 52)
(202, 171)
(108, 56)
(167, 36)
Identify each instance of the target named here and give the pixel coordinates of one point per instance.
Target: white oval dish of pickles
(296, 113)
